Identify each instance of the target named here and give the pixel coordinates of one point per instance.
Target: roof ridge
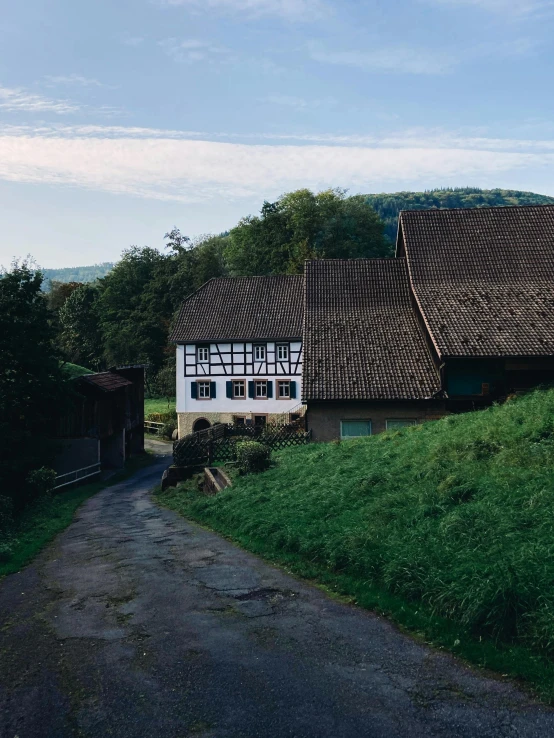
(485, 207)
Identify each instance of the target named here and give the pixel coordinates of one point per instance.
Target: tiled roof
(107, 381)
(484, 278)
(247, 308)
(362, 340)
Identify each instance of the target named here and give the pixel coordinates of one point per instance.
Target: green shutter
(194, 390)
(270, 389)
(251, 390)
(293, 390)
(229, 389)
(213, 387)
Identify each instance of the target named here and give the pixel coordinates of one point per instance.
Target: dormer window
(259, 352)
(203, 353)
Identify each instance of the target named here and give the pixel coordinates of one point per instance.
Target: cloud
(189, 51)
(398, 59)
(507, 8)
(299, 103)
(74, 79)
(161, 165)
(129, 40)
(14, 99)
(291, 9)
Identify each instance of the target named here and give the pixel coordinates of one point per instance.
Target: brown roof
(484, 278)
(362, 340)
(107, 381)
(242, 308)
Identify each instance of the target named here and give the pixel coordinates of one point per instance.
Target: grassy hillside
(389, 205)
(448, 526)
(74, 370)
(76, 274)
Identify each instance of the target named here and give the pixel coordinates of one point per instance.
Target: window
(239, 420)
(259, 353)
(397, 423)
(283, 390)
(260, 420)
(355, 428)
(260, 389)
(239, 389)
(203, 390)
(283, 352)
(203, 353)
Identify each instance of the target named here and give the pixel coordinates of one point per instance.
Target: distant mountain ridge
(77, 274)
(388, 205)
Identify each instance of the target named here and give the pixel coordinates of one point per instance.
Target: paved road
(136, 623)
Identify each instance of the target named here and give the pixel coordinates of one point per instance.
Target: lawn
(448, 527)
(41, 522)
(158, 405)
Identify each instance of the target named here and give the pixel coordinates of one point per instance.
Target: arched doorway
(201, 424)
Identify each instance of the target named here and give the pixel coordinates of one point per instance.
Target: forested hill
(388, 206)
(76, 274)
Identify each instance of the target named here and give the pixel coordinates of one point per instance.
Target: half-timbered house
(239, 352)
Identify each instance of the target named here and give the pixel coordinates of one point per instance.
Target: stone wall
(324, 417)
(187, 420)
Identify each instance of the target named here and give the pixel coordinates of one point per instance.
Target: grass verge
(447, 528)
(42, 521)
(159, 405)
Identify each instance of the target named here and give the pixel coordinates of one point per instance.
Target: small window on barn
(397, 423)
(355, 428)
(203, 353)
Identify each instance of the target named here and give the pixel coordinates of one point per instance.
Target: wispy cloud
(300, 103)
(508, 8)
(191, 50)
(292, 9)
(397, 59)
(172, 165)
(75, 80)
(131, 40)
(13, 99)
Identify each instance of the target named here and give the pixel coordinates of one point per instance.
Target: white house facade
(240, 363)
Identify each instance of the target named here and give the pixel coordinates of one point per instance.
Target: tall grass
(455, 516)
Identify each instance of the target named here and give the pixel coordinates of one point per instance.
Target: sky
(120, 119)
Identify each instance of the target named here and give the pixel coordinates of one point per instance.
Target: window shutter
(270, 389)
(251, 390)
(212, 390)
(229, 389)
(293, 390)
(194, 390)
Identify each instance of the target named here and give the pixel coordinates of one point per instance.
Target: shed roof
(362, 340)
(242, 308)
(106, 381)
(483, 278)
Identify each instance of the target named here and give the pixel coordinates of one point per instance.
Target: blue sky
(121, 119)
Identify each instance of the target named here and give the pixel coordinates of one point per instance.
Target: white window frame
(283, 383)
(283, 352)
(355, 420)
(202, 388)
(260, 352)
(258, 383)
(236, 384)
(203, 358)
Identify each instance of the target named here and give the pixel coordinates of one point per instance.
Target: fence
(77, 475)
(151, 427)
(218, 443)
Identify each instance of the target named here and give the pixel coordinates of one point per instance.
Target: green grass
(72, 371)
(448, 527)
(158, 405)
(41, 522)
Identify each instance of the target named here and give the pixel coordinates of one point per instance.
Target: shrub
(6, 512)
(252, 457)
(40, 482)
(169, 427)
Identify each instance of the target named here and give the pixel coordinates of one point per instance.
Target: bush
(6, 512)
(252, 457)
(40, 482)
(169, 427)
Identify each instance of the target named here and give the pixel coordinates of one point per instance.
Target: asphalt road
(136, 623)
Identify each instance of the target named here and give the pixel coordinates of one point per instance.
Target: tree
(80, 335)
(303, 225)
(31, 383)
